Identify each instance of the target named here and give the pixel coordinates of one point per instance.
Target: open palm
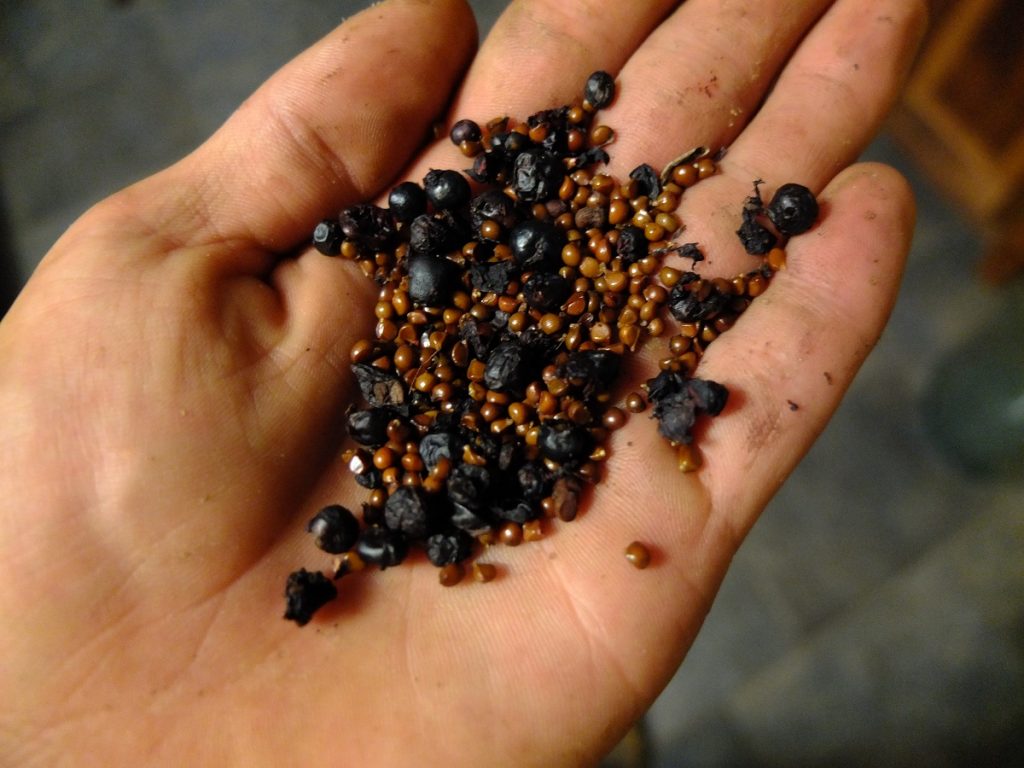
(174, 377)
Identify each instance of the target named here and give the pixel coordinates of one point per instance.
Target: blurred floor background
(875, 615)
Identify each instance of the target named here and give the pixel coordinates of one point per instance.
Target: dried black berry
(597, 369)
(709, 396)
(371, 477)
(473, 522)
(632, 244)
(382, 546)
(465, 130)
(447, 548)
(469, 485)
(534, 481)
(407, 201)
(433, 235)
(379, 387)
(335, 529)
(437, 446)
(687, 306)
(691, 251)
(756, 238)
(793, 209)
(510, 143)
(664, 384)
(508, 367)
(431, 278)
(564, 441)
(537, 245)
(546, 291)
(676, 413)
(487, 167)
(492, 277)
(537, 174)
(406, 510)
(492, 205)
(306, 592)
(327, 237)
(599, 89)
(446, 190)
(647, 181)
(368, 427)
(367, 225)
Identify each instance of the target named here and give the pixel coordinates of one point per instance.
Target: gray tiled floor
(875, 616)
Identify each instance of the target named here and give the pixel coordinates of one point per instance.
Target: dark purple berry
(334, 528)
(537, 245)
(465, 130)
(407, 201)
(793, 209)
(599, 89)
(446, 190)
(431, 278)
(327, 237)
(305, 593)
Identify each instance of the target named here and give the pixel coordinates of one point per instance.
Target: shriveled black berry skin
(564, 441)
(369, 426)
(367, 225)
(450, 547)
(493, 205)
(506, 369)
(632, 245)
(382, 546)
(406, 510)
(434, 235)
(446, 190)
(335, 529)
(757, 239)
(537, 245)
(473, 522)
(305, 593)
(407, 201)
(468, 485)
(647, 180)
(537, 174)
(492, 276)
(793, 209)
(465, 130)
(709, 396)
(599, 89)
(327, 237)
(687, 307)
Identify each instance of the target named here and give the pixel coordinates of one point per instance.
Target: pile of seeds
(509, 295)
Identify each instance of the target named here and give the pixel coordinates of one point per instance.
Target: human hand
(172, 390)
